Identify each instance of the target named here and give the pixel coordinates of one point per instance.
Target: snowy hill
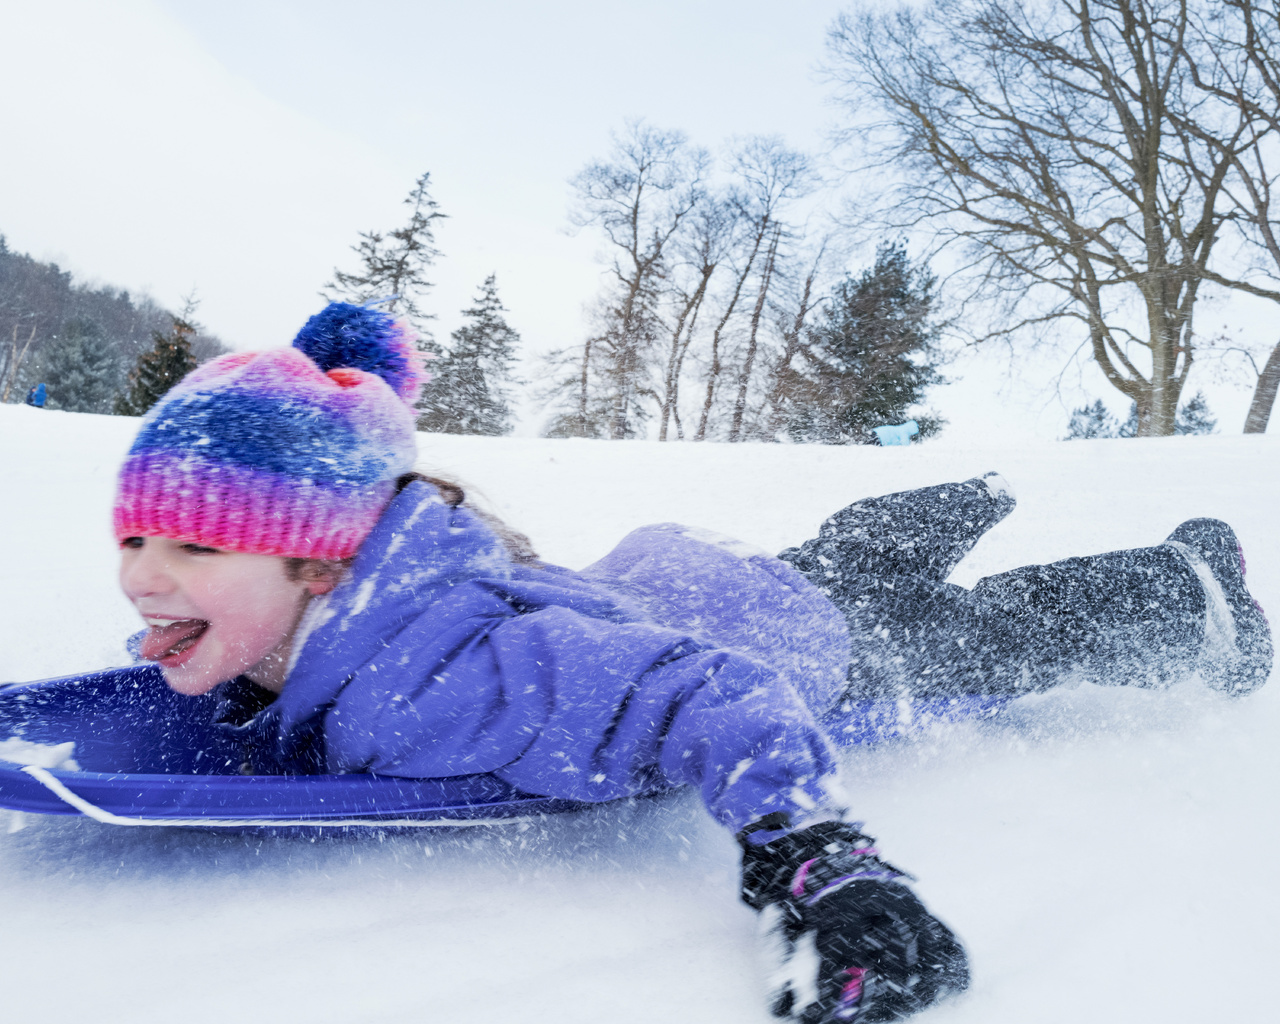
(1107, 856)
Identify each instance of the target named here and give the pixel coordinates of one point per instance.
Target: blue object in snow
(37, 395)
(901, 433)
(149, 756)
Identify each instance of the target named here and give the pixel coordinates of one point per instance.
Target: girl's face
(213, 615)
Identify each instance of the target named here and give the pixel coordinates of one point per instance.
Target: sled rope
(55, 786)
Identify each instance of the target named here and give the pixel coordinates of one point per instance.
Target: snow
(59, 756)
(1106, 855)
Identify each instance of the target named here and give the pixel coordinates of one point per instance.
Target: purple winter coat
(678, 658)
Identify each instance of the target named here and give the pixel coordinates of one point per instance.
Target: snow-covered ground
(1107, 856)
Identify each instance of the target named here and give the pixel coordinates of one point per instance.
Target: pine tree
(469, 391)
(394, 266)
(1194, 417)
(1090, 421)
(168, 361)
(869, 357)
(81, 368)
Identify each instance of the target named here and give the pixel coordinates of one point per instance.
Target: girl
(355, 617)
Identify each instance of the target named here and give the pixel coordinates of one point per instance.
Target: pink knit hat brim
(233, 508)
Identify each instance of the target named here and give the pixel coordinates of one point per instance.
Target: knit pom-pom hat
(291, 452)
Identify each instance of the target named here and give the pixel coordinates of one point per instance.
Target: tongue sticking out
(163, 641)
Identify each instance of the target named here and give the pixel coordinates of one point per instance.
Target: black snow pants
(1124, 618)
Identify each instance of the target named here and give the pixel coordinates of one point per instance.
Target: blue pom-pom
(343, 335)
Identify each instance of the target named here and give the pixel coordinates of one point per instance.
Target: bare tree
(705, 246)
(640, 198)
(1244, 38)
(572, 380)
(742, 271)
(753, 333)
(783, 378)
(1048, 138)
(766, 177)
(14, 358)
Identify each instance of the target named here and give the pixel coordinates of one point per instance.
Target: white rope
(55, 786)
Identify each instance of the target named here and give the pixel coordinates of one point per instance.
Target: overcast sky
(238, 147)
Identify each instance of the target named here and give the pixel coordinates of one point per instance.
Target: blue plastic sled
(146, 757)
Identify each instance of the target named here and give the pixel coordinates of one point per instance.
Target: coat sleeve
(568, 705)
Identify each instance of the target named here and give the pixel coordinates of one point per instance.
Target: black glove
(851, 941)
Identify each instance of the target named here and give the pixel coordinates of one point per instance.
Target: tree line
(711, 323)
(96, 349)
(723, 314)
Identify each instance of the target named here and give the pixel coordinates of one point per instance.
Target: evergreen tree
(168, 361)
(1090, 421)
(394, 266)
(1194, 417)
(39, 300)
(869, 358)
(469, 391)
(81, 368)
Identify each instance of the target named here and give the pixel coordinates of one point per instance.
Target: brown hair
(295, 569)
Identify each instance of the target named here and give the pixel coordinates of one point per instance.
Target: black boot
(922, 533)
(1238, 650)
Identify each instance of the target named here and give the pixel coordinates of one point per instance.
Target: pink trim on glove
(851, 994)
(797, 883)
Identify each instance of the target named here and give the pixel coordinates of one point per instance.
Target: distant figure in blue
(355, 616)
(36, 396)
(902, 433)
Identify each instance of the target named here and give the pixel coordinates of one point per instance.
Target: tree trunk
(671, 383)
(628, 359)
(582, 394)
(713, 377)
(7, 375)
(777, 396)
(1264, 396)
(1158, 415)
(744, 378)
(679, 367)
(15, 361)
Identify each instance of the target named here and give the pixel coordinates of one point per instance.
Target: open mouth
(168, 639)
